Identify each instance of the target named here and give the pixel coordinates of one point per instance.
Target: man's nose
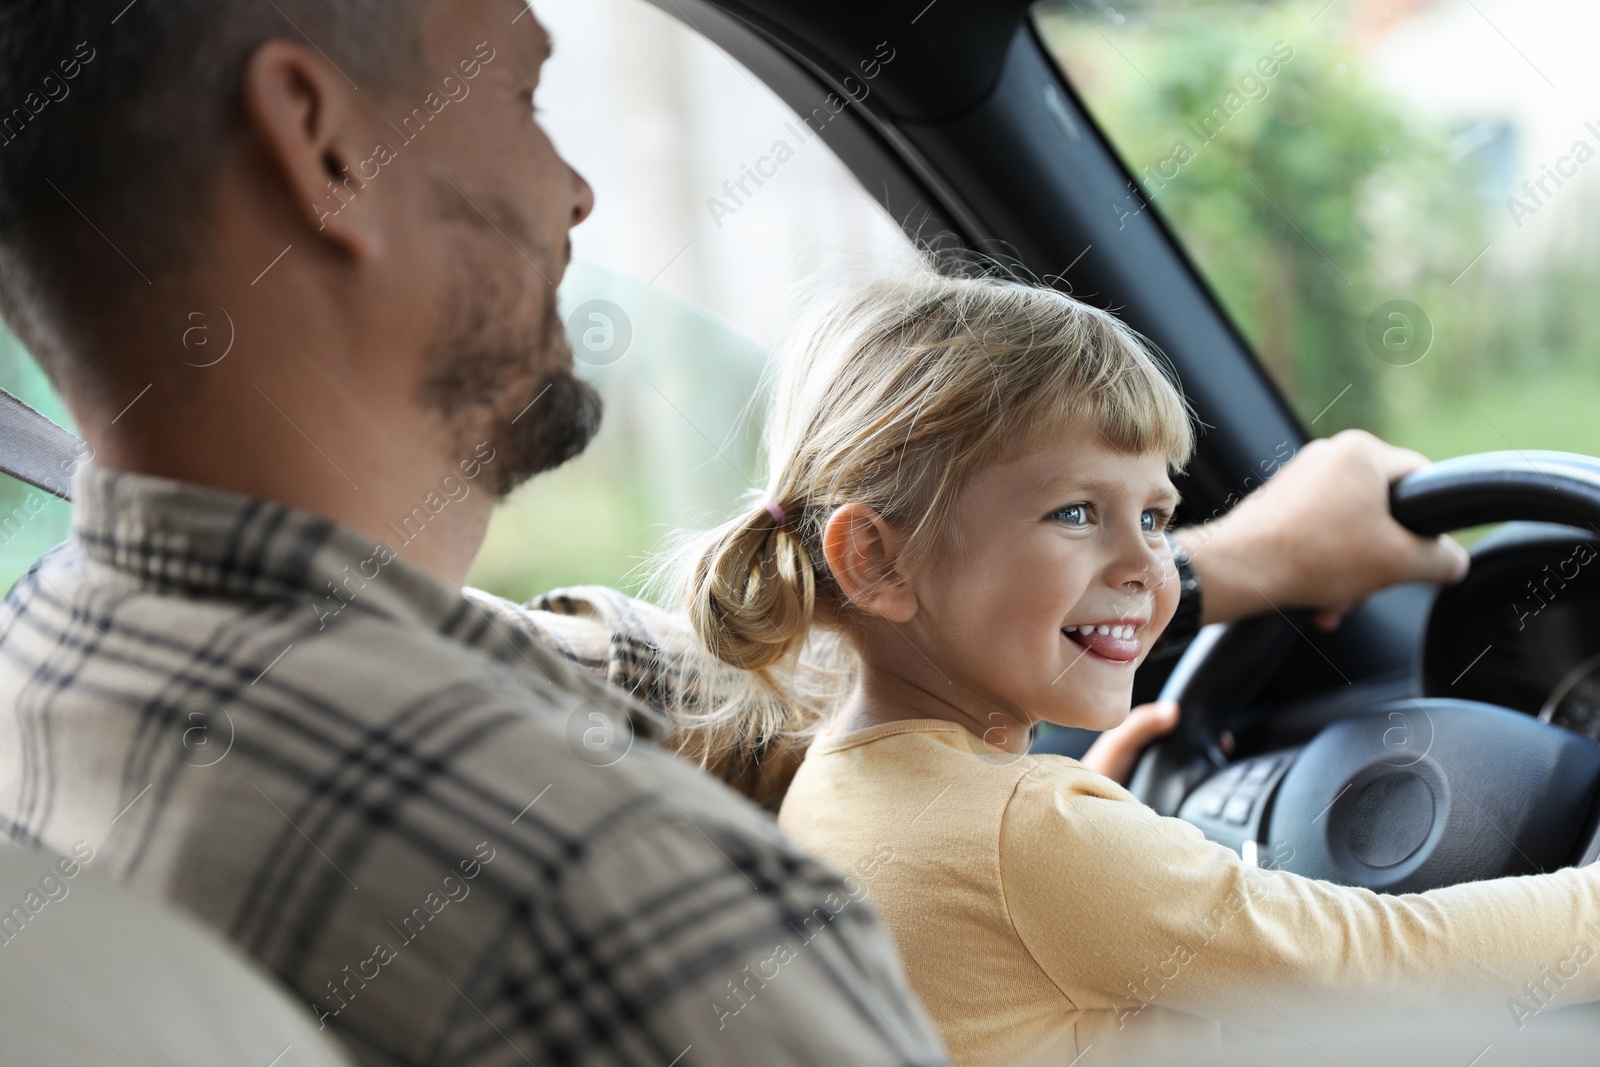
(583, 200)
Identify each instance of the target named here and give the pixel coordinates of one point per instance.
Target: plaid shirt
(453, 842)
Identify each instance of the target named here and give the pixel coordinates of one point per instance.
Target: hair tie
(776, 512)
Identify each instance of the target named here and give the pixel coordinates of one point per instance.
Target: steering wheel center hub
(1490, 792)
(1390, 819)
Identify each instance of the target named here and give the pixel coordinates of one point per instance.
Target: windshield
(1394, 201)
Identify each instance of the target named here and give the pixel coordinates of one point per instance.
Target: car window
(713, 201)
(1393, 201)
(677, 446)
(681, 285)
(31, 520)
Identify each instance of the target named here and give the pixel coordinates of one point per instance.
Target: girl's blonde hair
(892, 397)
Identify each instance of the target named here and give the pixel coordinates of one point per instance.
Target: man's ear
(864, 552)
(307, 120)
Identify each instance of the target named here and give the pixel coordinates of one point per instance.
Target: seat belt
(37, 451)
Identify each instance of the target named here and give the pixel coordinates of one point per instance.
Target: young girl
(962, 536)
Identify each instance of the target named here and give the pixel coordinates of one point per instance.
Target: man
(251, 680)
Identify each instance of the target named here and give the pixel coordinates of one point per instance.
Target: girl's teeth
(1124, 632)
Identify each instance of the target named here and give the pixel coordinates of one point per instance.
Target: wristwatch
(1186, 620)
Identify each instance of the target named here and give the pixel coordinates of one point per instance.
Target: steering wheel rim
(1390, 807)
(1453, 494)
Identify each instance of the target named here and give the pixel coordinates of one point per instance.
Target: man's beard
(501, 380)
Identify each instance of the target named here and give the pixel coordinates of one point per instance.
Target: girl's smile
(1118, 641)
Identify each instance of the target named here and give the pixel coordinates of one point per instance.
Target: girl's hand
(1114, 752)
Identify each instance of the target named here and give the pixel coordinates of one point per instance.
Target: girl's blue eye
(1154, 521)
(1072, 514)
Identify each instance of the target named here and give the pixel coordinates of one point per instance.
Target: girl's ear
(864, 551)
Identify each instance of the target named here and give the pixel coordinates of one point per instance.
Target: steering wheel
(1406, 795)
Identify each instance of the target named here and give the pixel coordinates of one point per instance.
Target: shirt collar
(179, 537)
(183, 539)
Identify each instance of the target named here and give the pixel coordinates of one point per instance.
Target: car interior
(977, 136)
(1439, 735)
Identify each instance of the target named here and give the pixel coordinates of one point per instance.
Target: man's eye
(1072, 514)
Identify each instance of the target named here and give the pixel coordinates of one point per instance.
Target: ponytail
(752, 590)
(769, 677)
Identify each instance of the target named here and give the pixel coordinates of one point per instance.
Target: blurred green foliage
(1322, 197)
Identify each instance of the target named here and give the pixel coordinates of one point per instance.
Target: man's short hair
(112, 113)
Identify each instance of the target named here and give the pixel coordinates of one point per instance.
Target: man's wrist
(1234, 583)
(1188, 618)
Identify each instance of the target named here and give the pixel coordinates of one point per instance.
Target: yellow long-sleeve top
(1041, 910)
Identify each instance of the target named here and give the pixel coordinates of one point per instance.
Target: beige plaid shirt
(413, 806)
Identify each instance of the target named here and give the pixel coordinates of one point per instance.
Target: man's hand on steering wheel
(1318, 535)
